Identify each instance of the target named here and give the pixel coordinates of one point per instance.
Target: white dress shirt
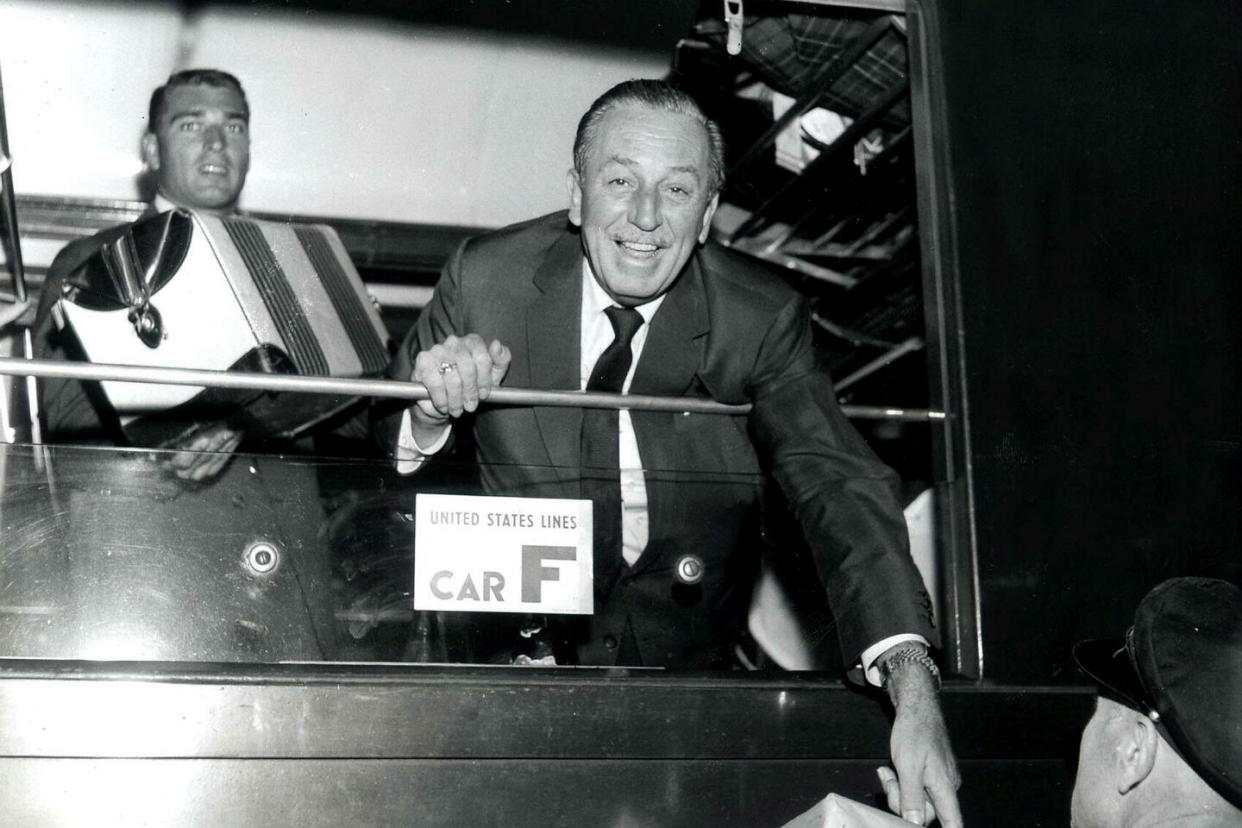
(596, 334)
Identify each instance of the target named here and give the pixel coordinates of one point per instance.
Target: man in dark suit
(633, 302)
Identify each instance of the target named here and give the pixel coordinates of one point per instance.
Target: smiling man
(624, 293)
(643, 189)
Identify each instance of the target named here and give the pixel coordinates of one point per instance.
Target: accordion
(186, 290)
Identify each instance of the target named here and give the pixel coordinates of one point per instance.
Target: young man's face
(200, 149)
(644, 200)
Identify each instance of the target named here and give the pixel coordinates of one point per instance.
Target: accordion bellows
(186, 290)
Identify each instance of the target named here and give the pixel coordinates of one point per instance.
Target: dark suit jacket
(70, 410)
(726, 331)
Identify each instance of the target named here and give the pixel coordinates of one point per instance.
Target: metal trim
(955, 518)
(326, 710)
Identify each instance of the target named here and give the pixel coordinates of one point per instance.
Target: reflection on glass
(107, 554)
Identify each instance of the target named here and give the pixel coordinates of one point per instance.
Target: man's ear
(1136, 751)
(574, 184)
(707, 217)
(151, 151)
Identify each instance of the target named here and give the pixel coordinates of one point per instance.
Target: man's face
(644, 201)
(200, 149)
(1095, 787)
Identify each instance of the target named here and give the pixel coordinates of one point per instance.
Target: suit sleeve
(441, 318)
(66, 408)
(845, 499)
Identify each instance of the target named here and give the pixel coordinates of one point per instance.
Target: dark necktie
(601, 481)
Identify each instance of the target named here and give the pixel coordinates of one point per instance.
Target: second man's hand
(458, 373)
(204, 454)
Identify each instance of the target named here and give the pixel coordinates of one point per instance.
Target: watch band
(909, 655)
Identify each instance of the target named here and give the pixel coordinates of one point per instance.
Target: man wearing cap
(1165, 744)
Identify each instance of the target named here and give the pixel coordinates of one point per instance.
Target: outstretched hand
(925, 784)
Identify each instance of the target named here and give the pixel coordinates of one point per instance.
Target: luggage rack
(844, 228)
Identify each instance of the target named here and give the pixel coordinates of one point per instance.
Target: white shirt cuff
(872, 653)
(409, 456)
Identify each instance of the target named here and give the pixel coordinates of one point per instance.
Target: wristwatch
(908, 655)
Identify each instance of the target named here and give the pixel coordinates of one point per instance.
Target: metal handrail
(397, 389)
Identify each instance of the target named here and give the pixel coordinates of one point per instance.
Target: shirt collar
(597, 300)
(163, 205)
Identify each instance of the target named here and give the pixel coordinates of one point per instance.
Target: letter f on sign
(534, 573)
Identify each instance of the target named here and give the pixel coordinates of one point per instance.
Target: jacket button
(610, 641)
(689, 569)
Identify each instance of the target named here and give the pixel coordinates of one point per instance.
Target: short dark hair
(192, 77)
(653, 94)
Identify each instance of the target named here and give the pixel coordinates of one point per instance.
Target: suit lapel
(668, 366)
(553, 342)
(674, 349)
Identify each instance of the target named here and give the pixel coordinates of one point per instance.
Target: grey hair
(652, 94)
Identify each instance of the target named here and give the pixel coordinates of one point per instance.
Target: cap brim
(1107, 662)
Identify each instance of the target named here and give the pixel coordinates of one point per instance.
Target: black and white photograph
(766, 413)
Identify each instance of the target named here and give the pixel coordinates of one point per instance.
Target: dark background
(1095, 167)
(643, 26)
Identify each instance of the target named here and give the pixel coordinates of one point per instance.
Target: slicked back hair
(192, 77)
(652, 94)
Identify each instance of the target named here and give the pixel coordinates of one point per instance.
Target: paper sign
(503, 554)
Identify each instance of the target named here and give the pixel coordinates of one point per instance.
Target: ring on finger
(445, 367)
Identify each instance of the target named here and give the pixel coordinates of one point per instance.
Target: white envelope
(838, 812)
